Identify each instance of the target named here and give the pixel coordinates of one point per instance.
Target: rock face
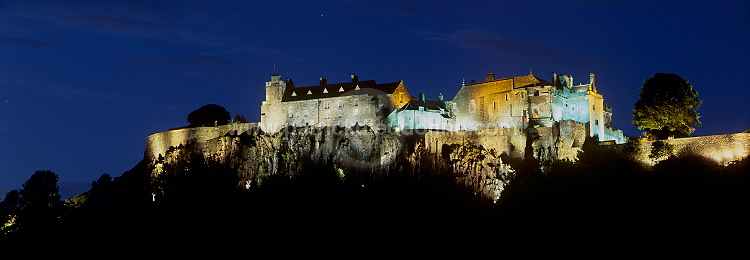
(477, 159)
(254, 155)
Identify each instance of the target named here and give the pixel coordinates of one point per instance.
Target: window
(535, 112)
(494, 105)
(327, 105)
(356, 102)
(536, 93)
(506, 97)
(341, 103)
(291, 115)
(523, 95)
(596, 121)
(472, 106)
(593, 107)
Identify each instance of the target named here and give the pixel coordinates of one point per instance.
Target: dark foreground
(681, 209)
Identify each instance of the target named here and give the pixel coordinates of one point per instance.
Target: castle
(474, 133)
(516, 102)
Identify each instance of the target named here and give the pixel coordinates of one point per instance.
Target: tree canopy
(667, 107)
(209, 115)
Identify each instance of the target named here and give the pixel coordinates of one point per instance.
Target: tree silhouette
(239, 119)
(9, 208)
(40, 202)
(666, 107)
(103, 181)
(209, 115)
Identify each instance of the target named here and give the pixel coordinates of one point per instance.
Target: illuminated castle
(340, 104)
(529, 101)
(517, 102)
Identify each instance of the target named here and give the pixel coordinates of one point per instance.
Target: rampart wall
(158, 143)
(720, 148)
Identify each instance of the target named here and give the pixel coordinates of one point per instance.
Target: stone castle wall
(475, 157)
(719, 148)
(157, 144)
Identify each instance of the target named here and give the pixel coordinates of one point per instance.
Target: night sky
(83, 82)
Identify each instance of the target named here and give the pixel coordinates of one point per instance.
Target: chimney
(490, 77)
(323, 81)
(275, 78)
(421, 96)
(355, 78)
(554, 78)
(440, 97)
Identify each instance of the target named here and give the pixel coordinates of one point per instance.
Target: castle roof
(518, 82)
(339, 89)
(428, 105)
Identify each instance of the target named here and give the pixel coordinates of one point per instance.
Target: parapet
(157, 144)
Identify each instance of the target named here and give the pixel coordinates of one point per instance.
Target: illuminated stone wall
(272, 114)
(720, 148)
(336, 111)
(561, 141)
(157, 144)
(354, 108)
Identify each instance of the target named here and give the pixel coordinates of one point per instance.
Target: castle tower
(271, 112)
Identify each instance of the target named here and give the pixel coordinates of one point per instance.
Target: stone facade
(530, 101)
(421, 114)
(341, 104)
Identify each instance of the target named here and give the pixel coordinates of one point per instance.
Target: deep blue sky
(83, 82)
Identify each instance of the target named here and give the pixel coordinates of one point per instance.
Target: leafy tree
(239, 119)
(667, 107)
(209, 115)
(9, 210)
(590, 152)
(40, 201)
(661, 150)
(103, 181)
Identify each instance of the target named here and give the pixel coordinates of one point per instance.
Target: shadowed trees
(209, 115)
(35, 208)
(667, 107)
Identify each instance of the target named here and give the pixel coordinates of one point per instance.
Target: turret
(275, 88)
(592, 86)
